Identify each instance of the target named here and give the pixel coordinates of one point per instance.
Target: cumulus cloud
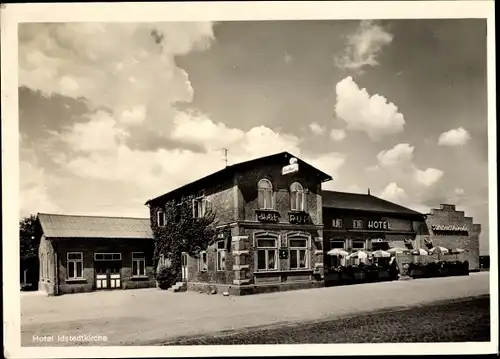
(317, 129)
(399, 155)
(429, 176)
(459, 191)
(393, 193)
(362, 112)
(129, 69)
(337, 134)
(455, 137)
(363, 46)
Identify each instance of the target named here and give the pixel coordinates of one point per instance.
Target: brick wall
(248, 192)
(88, 247)
(47, 282)
(469, 241)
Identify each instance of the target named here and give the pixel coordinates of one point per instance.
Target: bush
(167, 277)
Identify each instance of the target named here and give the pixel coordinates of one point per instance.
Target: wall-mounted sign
(299, 218)
(378, 225)
(267, 216)
(337, 223)
(291, 168)
(449, 228)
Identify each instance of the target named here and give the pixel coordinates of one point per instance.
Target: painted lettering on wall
(267, 216)
(378, 225)
(299, 218)
(449, 228)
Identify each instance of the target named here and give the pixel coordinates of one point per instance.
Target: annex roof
(73, 226)
(363, 202)
(230, 170)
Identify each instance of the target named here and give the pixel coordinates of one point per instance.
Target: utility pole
(225, 155)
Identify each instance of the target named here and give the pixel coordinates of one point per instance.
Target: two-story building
(272, 210)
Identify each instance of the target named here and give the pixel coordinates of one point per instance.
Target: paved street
(464, 320)
(152, 316)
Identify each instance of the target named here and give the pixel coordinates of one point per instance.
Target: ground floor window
(378, 244)
(75, 265)
(358, 244)
(138, 264)
(221, 256)
(203, 263)
(298, 253)
(267, 253)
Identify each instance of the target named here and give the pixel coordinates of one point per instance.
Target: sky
(111, 115)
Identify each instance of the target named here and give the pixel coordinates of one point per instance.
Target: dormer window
(265, 189)
(297, 197)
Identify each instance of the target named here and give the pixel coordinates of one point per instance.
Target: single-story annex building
(85, 253)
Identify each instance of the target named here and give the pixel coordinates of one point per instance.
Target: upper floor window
(161, 219)
(265, 194)
(337, 223)
(297, 197)
(357, 224)
(199, 206)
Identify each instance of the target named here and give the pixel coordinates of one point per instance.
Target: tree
(181, 233)
(28, 240)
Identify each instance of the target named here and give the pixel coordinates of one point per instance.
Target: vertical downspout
(56, 270)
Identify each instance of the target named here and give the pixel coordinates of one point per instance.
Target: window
(298, 253)
(358, 244)
(221, 256)
(357, 224)
(42, 267)
(337, 223)
(99, 257)
(161, 219)
(266, 253)
(297, 197)
(337, 244)
(203, 263)
(265, 194)
(199, 207)
(75, 265)
(138, 264)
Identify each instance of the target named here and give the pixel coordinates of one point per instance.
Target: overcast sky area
(112, 115)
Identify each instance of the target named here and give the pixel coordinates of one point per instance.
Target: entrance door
(107, 275)
(184, 266)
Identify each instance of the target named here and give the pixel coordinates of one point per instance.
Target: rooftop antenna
(225, 155)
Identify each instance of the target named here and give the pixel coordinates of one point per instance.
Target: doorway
(184, 267)
(107, 270)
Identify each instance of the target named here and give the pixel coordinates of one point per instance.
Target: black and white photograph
(193, 178)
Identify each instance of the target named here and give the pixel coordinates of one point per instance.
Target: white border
(12, 14)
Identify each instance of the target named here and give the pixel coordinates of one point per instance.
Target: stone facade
(450, 228)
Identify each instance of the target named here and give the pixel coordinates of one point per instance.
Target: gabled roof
(68, 226)
(364, 202)
(230, 170)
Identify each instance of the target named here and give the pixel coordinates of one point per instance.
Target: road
(152, 316)
(465, 320)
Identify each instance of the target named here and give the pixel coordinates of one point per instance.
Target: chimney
(368, 191)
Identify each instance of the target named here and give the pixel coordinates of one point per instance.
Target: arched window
(265, 194)
(297, 197)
